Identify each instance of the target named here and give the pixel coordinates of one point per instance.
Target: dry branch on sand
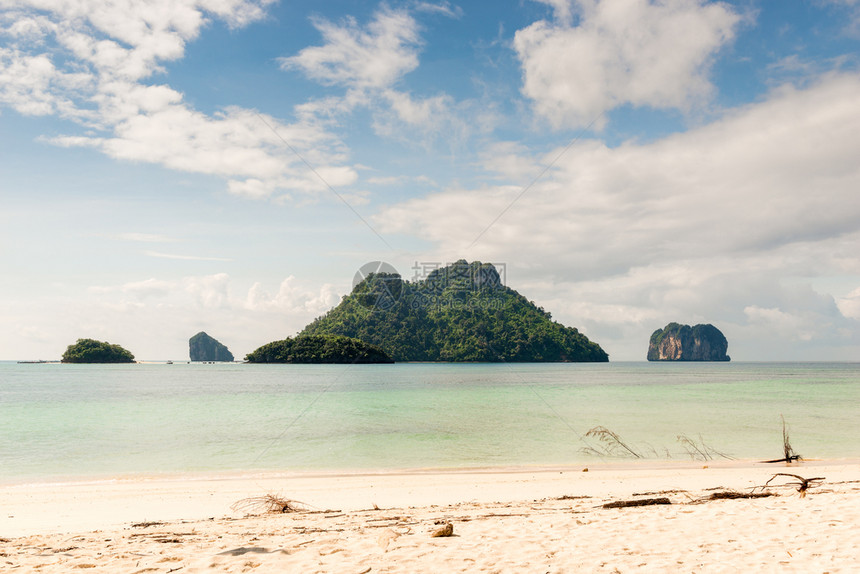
(446, 530)
(637, 502)
(734, 494)
(802, 484)
(787, 450)
(270, 503)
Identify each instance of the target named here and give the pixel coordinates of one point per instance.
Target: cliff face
(677, 342)
(202, 347)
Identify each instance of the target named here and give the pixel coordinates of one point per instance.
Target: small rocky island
(203, 348)
(92, 351)
(319, 349)
(676, 342)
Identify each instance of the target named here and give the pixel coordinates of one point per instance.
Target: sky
(176, 166)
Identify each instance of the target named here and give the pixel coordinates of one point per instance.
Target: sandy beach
(503, 520)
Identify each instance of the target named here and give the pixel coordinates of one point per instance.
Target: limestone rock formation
(677, 342)
(202, 347)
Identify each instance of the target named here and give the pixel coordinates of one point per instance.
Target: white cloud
(563, 9)
(373, 58)
(850, 304)
(443, 8)
(292, 298)
(777, 320)
(87, 60)
(369, 62)
(636, 52)
(763, 177)
(210, 291)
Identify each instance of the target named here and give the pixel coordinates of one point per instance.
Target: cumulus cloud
(369, 61)
(697, 221)
(89, 61)
(216, 292)
(209, 291)
(351, 56)
(636, 52)
(850, 304)
(134, 312)
(292, 298)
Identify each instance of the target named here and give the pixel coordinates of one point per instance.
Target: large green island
(458, 313)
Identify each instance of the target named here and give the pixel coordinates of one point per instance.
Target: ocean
(70, 422)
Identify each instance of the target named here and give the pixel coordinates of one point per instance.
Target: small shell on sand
(446, 530)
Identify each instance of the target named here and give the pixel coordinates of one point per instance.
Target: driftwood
(444, 532)
(270, 503)
(733, 494)
(637, 502)
(788, 452)
(803, 484)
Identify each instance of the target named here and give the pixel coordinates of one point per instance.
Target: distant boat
(169, 362)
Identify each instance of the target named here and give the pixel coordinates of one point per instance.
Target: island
(458, 313)
(92, 351)
(203, 348)
(676, 342)
(318, 349)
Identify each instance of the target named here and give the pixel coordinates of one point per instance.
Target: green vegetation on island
(92, 351)
(458, 313)
(318, 349)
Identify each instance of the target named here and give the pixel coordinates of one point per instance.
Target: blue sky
(171, 166)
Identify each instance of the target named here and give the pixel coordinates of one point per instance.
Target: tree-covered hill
(318, 349)
(92, 351)
(458, 313)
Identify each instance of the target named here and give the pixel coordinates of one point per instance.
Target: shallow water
(88, 421)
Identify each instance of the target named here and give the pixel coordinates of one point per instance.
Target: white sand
(504, 521)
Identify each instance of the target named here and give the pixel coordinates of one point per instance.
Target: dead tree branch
(788, 451)
(803, 484)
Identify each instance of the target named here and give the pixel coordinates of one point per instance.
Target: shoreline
(618, 464)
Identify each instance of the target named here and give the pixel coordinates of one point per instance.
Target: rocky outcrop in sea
(202, 347)
(676, 342)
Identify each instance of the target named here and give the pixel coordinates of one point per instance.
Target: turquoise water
(86, 421)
